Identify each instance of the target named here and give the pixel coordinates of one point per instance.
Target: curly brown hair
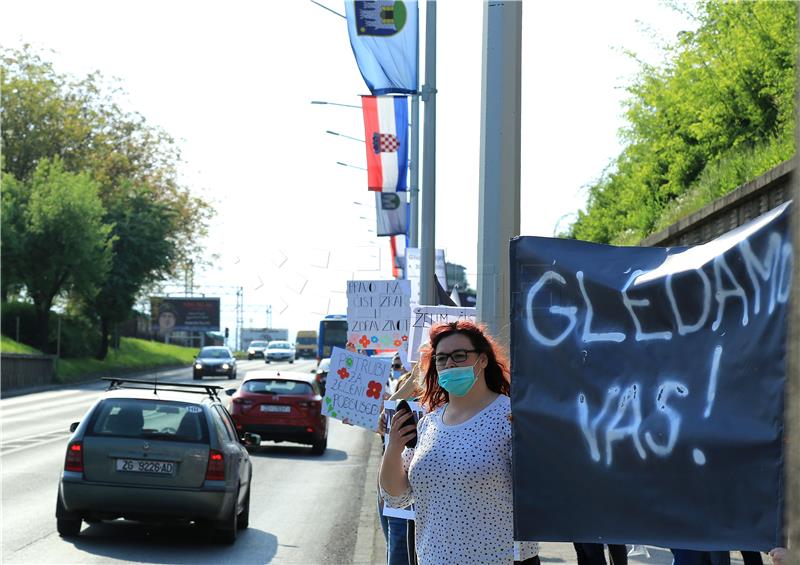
(497, 373)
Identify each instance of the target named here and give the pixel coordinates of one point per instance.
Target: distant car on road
(214, 360)
(281, 406)
(157, 452)
(279, 351)
(256, 349)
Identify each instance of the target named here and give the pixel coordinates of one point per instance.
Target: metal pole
(428, 228)
(498, 213)
(58, 339)
(792, 405)
(413, 225)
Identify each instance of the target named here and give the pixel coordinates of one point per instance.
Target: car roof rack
(118, 383)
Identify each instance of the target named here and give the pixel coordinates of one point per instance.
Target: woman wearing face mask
(459, 474)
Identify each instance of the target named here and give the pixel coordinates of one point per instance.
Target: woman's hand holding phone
(411, 426)
(402, 431)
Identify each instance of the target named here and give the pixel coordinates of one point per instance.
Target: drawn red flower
(343, 373)
(374, 389)
(397, 343)
(405, 338)
(364, 341)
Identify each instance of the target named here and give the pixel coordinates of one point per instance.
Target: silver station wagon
(157, 453)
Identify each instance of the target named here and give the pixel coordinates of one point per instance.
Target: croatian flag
(386, 134)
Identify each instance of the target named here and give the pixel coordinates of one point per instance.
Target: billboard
(183, 314)
(264, 334)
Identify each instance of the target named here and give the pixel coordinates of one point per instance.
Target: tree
(56, 238)
(717, 113)
(142, 250)
(157, 223)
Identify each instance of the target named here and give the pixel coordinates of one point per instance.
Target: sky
(233, 83)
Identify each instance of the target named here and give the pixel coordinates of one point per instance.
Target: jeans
(395, 531)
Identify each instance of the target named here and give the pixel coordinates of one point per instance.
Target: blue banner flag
(384, 35)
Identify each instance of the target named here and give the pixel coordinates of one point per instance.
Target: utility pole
(498, 212)
(239, 317)
(428, 228)
(792, 404)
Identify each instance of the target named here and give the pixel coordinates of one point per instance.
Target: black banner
(183, 314)
(647, 389)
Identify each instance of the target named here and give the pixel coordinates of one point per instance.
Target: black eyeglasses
(398, 366)
(458, 356)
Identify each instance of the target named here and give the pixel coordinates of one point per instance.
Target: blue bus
(332, 333)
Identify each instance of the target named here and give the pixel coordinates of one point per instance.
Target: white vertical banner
(424, 317)
(378, 314)
(412, 261)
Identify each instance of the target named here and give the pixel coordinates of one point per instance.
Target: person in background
(459, 474)
(594, 554)
(694, 557)
(396, 372)
(395, 530)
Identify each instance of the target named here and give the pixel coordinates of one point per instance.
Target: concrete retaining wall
(22, 371)
(728, 212)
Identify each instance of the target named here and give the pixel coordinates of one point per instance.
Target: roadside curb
(370, 545)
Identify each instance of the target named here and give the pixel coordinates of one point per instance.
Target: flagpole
(413, 166)
(428, 219)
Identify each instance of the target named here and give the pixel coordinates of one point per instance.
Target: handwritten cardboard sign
(355, 387)
(648, 388)
(378, 314)
(424, 317)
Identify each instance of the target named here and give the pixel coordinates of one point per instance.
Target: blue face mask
(457, 381)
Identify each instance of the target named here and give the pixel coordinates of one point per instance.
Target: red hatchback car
(281, 407)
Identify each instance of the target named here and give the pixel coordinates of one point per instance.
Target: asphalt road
(304, 509)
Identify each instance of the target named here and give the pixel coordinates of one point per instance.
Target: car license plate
(144, 466)
(275, 408)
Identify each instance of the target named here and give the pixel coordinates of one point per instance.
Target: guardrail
(21, 371)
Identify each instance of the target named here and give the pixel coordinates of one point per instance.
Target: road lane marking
(13, 446)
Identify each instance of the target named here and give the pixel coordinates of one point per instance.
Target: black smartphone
(403, 406)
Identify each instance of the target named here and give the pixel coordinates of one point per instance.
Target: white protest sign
(423, 317)
(412, 259)
(389, 409)
(354, 388)
(378, 314)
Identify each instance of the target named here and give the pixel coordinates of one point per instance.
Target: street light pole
(428, 220)
(498, 212)
(323, 102)
(337, 134)
(351, 166)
